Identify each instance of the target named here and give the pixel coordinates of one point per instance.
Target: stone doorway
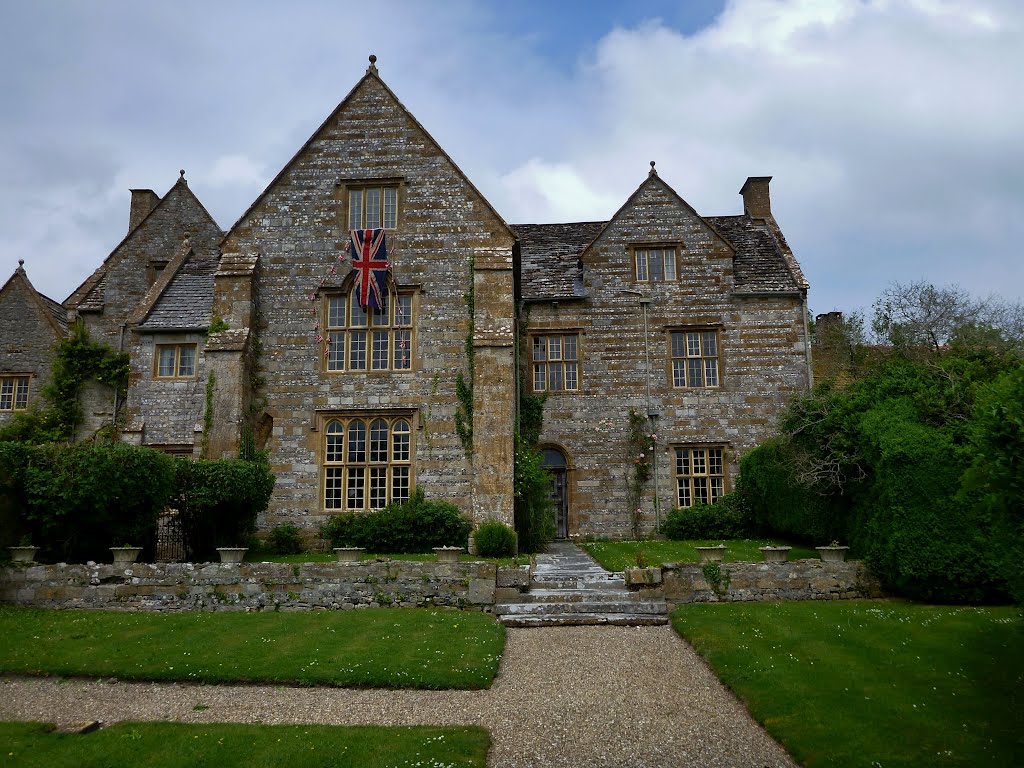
(555, 463)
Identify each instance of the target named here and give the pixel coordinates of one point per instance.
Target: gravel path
(565, 696)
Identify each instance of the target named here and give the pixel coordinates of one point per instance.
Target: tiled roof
(760, 265)
(187, 300)
(551, 269)
(57, 310)
(93, 300)
(550, 258)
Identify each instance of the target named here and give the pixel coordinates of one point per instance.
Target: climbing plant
(464, 383)
(79, 359)
(640, 449)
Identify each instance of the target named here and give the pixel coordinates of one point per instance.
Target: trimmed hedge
(725, 519)
(84, 498)
(219, 500)
(494, 539)
(76, 501)
(415, 526)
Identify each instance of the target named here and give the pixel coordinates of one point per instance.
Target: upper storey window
(175, 361)
(655, 265)
(372, 207)
(371, 339)
(14, 393)
(556, 362)
(694, 355)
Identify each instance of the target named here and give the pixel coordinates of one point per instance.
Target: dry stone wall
(250, 586)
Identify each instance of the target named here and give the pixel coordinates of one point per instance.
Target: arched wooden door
(554, 462)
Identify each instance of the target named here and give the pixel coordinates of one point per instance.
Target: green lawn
(872, 683)
(372, 647)
(616, 555)
(176, 745)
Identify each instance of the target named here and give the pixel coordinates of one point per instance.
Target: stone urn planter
(832, 553)
(232, 554)
(124, 555)
(775, 554)
(711, 554)
(348, 554)
(23, 554)
(447, 554)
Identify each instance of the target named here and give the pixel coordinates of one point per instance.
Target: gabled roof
(371, 75)
(89, 295)
(759, 266)
(49, 310)
(182, 297)
(550, 255)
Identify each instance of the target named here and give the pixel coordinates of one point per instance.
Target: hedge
(414, 526)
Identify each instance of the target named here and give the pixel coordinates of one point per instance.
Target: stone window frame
(561, 362)
(681, 357)
(341, 473)
(176, 365)
(337, 359)
(700, 473)
(15, 391)
(350, 188)
(643, 274)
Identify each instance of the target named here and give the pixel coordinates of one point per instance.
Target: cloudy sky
(894, 129)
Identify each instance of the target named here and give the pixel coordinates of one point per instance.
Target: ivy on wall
(79, 359)
(464, 384)
(641, 444)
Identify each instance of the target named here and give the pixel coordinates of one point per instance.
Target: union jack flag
(370, 264)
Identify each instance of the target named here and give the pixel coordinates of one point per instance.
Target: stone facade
(32, 325)
(259, 315)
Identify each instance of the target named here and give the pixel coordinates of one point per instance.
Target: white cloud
(236, 171)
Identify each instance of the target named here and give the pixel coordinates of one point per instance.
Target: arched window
(367, 462)
(370, 340)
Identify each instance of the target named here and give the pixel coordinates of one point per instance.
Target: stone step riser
(576, 596)
(580, 619)
(537, 609)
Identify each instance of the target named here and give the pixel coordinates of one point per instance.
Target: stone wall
(250, 586)
(755, 582)
(762, 362)
(446, 237)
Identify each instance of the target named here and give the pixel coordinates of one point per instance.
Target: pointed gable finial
(21, 265)
(373, 64)
(653, 171)
(181, 176)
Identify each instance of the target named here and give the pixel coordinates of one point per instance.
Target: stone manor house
(698, 323)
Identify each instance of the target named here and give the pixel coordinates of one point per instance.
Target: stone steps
(569, 589)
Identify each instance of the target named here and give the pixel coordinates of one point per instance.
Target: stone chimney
(757, 202)
(143, 201)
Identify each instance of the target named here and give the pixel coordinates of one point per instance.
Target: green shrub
(219, 500)
(284, 540)
(13, 525)
(495, 539)
(534, 512)
(84, 498)
(781, 504)
(725, 519)
(415, 526)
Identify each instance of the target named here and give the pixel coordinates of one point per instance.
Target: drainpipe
(117, 396)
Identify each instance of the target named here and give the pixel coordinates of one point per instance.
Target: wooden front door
(555, 464)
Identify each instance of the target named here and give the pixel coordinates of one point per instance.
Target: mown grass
(616, 555)
(177, 745)
(373, 647)
(872, 683)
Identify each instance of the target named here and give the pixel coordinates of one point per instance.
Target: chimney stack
(757, 202)
(143, 201)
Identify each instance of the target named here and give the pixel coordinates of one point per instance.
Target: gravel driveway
(565, 696)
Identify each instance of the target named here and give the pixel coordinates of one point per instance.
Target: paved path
(565, 696)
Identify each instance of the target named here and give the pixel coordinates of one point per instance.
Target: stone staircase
(569, 588)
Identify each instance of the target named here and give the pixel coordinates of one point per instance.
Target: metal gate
(170, 537)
